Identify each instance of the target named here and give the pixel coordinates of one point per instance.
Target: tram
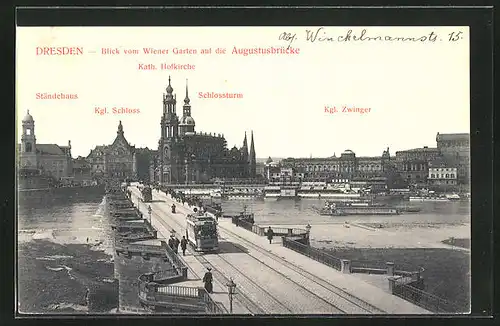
(147, 194)
(201, 232)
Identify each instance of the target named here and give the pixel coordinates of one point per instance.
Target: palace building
(42, 159)
(348, 168)
(117, 160)
(187, 156)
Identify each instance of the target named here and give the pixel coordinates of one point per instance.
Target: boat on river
(433, 197)
(362, 208)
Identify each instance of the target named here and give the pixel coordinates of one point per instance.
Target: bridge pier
(390, 268)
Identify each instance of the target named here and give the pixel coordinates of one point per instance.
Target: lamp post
(231, 286)
(308, 229)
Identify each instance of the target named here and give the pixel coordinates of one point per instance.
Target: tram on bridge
(147, 194)
(201, 232)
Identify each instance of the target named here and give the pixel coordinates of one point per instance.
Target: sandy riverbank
(357, 235)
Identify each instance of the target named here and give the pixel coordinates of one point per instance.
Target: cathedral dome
(187, 121)
(28, 117)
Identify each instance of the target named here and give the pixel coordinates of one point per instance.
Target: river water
(64, 256)
(65, 247)
(292, 212)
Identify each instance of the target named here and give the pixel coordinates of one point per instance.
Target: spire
(186, 100)
(120, 128)
(245, 144)
(252, 148)
(253, 163)
(169, 87)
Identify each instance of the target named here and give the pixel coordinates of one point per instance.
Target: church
(187, 156)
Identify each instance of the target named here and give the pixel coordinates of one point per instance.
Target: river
(64, 256)
(65, 247)
(292, 212)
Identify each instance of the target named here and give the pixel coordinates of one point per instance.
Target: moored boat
(428, 198)
(409, 209)
(341, 209)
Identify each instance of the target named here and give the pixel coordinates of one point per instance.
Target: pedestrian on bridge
(176, 245)
(270, 234)
(207, 279)
(184, 245)
(171, 242)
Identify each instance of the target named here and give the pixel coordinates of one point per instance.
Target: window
(28, 131)
(28, 148)
(447, 175)
(452, 175)
(432, 175)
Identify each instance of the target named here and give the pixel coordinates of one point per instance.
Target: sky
(413, 89)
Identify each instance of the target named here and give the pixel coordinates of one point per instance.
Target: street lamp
(308, 229)
(231, 286)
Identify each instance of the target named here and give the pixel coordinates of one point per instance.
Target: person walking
(171, 242)
(207, 279)
(184, 245)
(176, 245)
(270, 234)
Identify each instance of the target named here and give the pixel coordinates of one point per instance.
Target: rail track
(242, 298)
(339, 294)
(351, 299)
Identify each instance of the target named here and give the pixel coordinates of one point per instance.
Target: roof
(446, 137)
(28, 117)
(80, 163)
(49, 149)
(423, 149)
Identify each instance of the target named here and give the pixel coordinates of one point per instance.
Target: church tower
(253, 160)
(28, 158)
(170, 120)
(167, 146)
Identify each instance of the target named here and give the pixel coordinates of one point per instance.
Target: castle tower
(253, 160)
(27, 156)
(187, 122)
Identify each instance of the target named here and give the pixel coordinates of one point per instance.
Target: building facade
(187, 156)
(117, 160)
(456, 147)
(347, 167)
(443, 173)
(47, 159)
(413, 164)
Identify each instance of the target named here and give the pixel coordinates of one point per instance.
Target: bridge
(277, 278)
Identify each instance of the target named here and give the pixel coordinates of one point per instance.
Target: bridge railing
(313, 253)
(162, 294)
(421, 298)
(176, 261)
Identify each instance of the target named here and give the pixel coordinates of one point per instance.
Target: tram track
(242, 298)
(335, 293)
(363, 305)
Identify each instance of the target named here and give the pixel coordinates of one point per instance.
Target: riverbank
(386, 235)
(446, 275)
(70, 278)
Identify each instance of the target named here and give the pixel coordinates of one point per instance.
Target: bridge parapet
(154, 294)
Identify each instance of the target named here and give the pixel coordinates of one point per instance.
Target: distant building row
(183, 155)
(446, 165)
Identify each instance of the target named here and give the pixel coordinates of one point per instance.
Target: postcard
(311, 170)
